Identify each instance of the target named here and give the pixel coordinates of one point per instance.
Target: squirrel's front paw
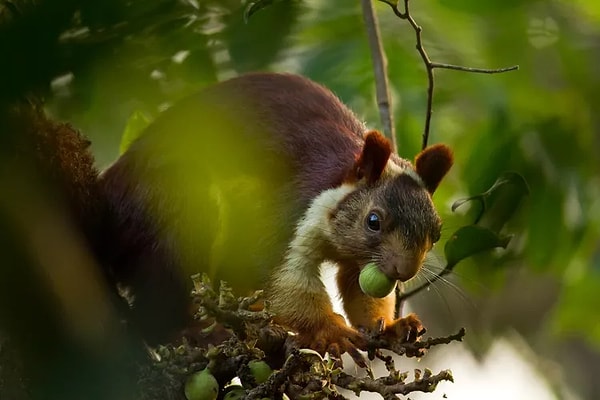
(335, 338)
(406, 329)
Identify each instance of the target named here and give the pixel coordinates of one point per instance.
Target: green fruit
(201, 386)
(260, 371)
(235, 392)
(374, 282)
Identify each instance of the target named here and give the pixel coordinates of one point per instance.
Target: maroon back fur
(294, 135)
(244, 158)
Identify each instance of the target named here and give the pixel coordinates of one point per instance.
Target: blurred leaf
(548, 241)
(496, 148)
(504, 198)
(500, 201)
(107, 13)
(29, 36)
(577, 309)
(135, 126)
(470, 240)
(255, 7)
(255, 44)
(339, 56)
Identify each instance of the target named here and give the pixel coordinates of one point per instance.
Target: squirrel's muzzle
(402, 268)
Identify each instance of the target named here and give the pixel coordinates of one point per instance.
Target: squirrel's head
(389, 217)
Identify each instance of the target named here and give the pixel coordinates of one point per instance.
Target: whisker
(456, 289)
(437, 291)
(470, 280)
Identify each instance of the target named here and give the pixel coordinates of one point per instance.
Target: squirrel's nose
(406, 269)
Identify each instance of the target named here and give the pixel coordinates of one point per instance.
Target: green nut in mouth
(375, 283)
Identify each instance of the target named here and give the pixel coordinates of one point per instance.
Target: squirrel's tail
(56, 159)
(57, 310)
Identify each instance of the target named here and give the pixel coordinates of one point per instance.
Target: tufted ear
(432, 164)
(373, 158)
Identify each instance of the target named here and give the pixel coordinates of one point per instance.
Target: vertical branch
(400, 299)
(384, 101)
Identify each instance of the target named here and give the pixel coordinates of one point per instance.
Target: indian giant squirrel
(256, 181)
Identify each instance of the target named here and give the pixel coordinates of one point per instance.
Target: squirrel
(257, 181)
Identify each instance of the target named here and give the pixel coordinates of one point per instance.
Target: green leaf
(256, 6)
(470, 240)
(137, 122)
(254, 45)
(465, 200)
(499, 202)
(503, 200)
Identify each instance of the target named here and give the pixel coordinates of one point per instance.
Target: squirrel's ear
(373, 158)
(432, 164)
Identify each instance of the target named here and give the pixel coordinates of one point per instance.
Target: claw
(357, 356)
(318, 347)
(407, 329)
(334, 350)
(336, 338)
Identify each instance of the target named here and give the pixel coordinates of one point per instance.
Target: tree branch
(403, 296)
(475, 70)
(430, 65)
(382, 90)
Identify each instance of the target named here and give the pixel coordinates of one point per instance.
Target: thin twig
(382, 90)
(430, 77)
(409, 349)
(475, 70)
(399, 300)
(402, 297)
(430, 65)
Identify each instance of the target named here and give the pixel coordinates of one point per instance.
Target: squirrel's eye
(374, 221)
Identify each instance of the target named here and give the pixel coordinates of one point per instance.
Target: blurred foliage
(133, 129)
(97, 63)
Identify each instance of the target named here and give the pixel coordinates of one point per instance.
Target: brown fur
(432, 164)
(60, 158)
(373, 158)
